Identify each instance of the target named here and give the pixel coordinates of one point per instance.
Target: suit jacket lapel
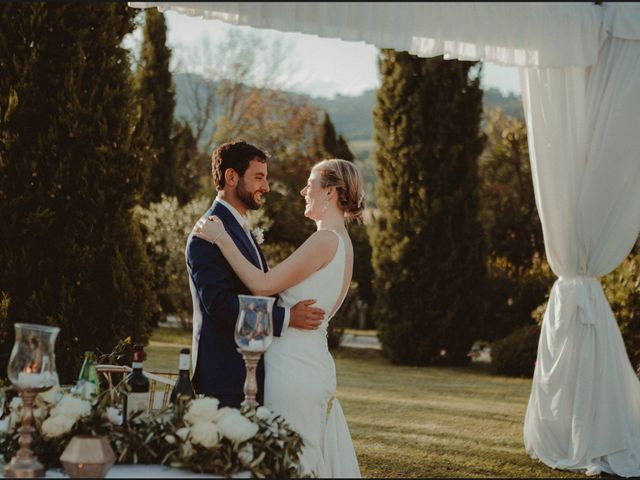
(265, 267)
(236, 231)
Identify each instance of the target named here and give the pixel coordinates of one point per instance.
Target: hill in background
(351, 116)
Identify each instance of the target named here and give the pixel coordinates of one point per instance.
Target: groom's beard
(247, 197)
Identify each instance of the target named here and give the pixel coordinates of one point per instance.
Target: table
(146, 471)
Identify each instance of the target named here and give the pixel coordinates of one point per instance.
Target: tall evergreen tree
(70, 172)
(189, 163)
(428, 250)
(328, 137)
(332, 144)
(156, 93)
(343, 151)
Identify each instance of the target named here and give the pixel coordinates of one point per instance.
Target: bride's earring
(325, 204)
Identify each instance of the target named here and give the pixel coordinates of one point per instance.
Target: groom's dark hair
(236, 155)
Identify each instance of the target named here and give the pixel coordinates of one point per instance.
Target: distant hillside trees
(71, 169)
(428, 245)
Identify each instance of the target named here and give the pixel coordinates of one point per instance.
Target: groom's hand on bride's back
(306, 317)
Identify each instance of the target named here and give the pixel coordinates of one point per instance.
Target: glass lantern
(33, 362)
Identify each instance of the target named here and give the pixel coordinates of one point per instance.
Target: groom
(240, 175)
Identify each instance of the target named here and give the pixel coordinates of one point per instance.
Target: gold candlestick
(25, 464)
(251, 360)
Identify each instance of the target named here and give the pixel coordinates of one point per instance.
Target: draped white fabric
(584, 409)
(580, 78)
(524, 34)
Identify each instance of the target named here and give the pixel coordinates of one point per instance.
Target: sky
(323, 66)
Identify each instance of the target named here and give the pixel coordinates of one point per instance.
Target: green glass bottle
(88, 379)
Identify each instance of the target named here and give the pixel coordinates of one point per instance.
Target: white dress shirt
(242, 220)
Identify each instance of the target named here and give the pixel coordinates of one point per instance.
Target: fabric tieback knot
(574, 294)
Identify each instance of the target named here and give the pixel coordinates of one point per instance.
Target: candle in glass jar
(255, 346)
(34, 380)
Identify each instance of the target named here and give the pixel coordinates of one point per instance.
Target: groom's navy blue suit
(219, 369)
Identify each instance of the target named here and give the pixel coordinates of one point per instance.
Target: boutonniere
(258, 234)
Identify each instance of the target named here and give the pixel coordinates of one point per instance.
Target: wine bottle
(88, 379)
(138, 396)
(183, 387)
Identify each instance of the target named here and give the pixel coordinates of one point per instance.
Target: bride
(300, 375)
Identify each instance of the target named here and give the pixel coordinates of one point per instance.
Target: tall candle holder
(31, 370)
(253, 335)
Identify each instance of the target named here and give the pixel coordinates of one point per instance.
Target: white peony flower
(71, 407)
(114, 416)
(246, 454)
(202, 410)
(205, 434)
(236, 427)
(263, 413)
(183, 433)
(55, 426)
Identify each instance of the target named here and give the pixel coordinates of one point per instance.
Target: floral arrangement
(194, 434)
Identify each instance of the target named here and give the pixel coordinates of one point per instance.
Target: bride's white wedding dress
(300, 377)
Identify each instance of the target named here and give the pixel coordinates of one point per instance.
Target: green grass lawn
(418, 421)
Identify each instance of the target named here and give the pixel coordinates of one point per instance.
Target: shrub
(166, 227)
(514, 293)
(622, 288)
(515, 354)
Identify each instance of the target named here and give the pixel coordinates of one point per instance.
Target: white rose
(246, 454)
(14, 420)
(114, 416)
(170, 439)
(236, 427)
(223, 411)
(205, 434)
(55, 426)
(186, 449)
(49, 396)
(71, 407)
(16, 404)
(258, 233)
(263, 413)
(183, 433)
(87, 390)
(202, 410)
(39, 413)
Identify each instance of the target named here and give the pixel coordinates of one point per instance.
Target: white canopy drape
(580, 79)
(584, 409)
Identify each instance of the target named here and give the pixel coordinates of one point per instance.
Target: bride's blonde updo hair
(346, 179)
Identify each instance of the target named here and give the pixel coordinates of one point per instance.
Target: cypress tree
(156, 93)
(328, 137)
(428, 250)
(343, 151)
(70, 172)
(188, 163)
(332, 144)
